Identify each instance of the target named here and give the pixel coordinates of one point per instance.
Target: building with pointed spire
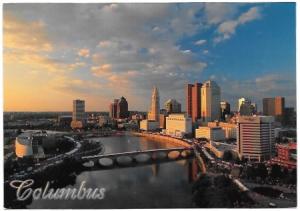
(155, 108)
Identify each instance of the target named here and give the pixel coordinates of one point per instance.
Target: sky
(54, 53)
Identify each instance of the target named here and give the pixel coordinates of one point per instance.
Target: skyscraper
(255, 137)
(78, 110)
(210, 101)
(225, 109)
(155, 108)
(113, 109)
(246, 108)
(274, 107)
(193, 101)
(78, 115)
(269, 106)
(172, 106)
(243, 101)
(119, 109)
(122, 108)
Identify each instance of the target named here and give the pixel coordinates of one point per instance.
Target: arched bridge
(136, 158)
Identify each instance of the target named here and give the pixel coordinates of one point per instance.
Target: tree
(276, 172)
(261, 171)
(227, 156)
(250, 172)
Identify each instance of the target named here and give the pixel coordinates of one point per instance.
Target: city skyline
(47, 65)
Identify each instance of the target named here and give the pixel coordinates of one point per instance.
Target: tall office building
(210, 101)
(78, 110)
(290, 117)
(78, 115)
(225, 109)
(113, 109)
(172, 106)
(246, 108)
(119, 109)
(255, 137)
(193, 101)
(274, 107)
(155, 108)
(122, 108)
(243, 101)
(279, 106)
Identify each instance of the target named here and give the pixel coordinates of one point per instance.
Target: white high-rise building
(155, 108)
(78, 116)
(255, 137)
(210, 101)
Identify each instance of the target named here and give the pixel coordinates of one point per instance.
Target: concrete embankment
(162, 138)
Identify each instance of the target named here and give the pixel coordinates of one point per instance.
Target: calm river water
(165, 185)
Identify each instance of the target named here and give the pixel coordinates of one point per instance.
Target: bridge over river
(136, 158)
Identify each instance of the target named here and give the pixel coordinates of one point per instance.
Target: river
(164, 185)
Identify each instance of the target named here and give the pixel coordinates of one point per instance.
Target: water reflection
(164, 185)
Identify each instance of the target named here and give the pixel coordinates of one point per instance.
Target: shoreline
(162, 139)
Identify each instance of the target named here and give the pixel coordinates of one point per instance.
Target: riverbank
(162, 138)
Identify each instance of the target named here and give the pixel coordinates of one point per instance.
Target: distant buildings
(119, 109)
(178, 125)
(225, 109)
(243, 101)
(138, 117)
(286, 155)
(113, 109)
(78, 115)
(149, 125)
(229, 129)
(255, 137)
(193, 101)
(155, 107)
(162, 120)
(274, 107)
(103, 120)
(64, 121)
(290, 117)
(210, 101)
(172, 106)
(246, 108)
(253, 108)
(210, 133)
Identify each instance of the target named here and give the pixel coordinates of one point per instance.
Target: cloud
(216, 13)
(127, 47)
(84, 52)
(227, 28)
(27, 36)
(252, 14)
(27, 43)
(268, 85)
(200, 42)
(186, 51)
(102, 70)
